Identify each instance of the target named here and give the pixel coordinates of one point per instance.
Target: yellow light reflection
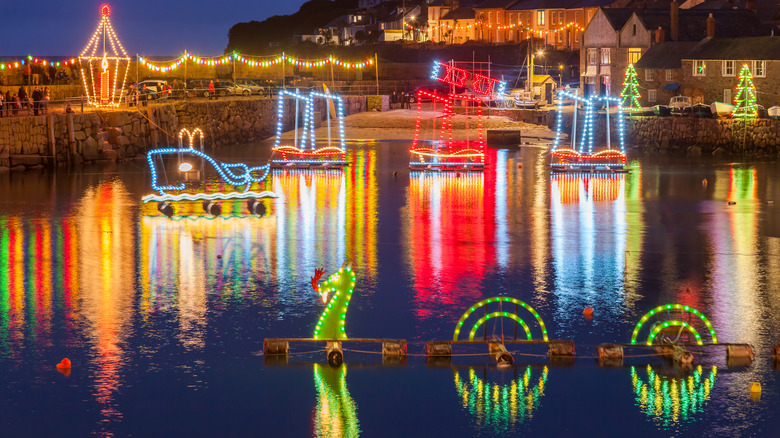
(672, 400)
(500, 406)
(107, 289)
(336, 412)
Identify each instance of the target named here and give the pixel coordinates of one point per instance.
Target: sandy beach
(400, 124)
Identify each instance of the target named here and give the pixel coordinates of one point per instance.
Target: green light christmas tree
(745, 101)
(630, 93)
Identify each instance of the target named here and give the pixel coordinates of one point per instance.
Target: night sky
(146, 27)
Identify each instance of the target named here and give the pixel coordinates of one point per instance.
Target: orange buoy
(64, 365)
(704, 182)
(588, 312)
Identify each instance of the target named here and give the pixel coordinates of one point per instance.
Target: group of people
(11, 104)
(403, 99)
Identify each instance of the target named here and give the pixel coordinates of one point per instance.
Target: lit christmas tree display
(104, 64)
(630, 93)
(745, 101)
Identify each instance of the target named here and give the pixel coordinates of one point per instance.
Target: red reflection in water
(450, 232)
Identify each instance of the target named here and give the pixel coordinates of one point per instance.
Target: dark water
(164, 319)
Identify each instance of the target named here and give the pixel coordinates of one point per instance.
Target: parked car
(200, 88)
(253, 85)
(155, 88)
(228, 88)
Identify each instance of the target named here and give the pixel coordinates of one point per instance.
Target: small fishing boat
(720, 109)
(698, 110)
(662, 111)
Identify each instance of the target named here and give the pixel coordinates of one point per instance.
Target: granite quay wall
(76, 138)
(695, 135)
(691, 135)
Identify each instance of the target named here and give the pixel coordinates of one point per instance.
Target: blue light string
(223, 169)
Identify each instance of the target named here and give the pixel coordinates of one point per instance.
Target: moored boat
(661, 110)
(720, 109)
(773, 112)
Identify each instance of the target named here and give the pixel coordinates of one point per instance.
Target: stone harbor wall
(689, 135)
(694, 135)
(76, 138)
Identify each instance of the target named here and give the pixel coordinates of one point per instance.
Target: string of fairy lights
(256, 61)
(169, 65)
(514, 26)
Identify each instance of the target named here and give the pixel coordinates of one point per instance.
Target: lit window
(605, 56)
(728, 68)
(633, 55)
(540, 18)
(699, 68)
(758, 69)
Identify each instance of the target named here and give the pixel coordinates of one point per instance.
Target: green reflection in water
(500, 406)
(671, 400)
(336, 412)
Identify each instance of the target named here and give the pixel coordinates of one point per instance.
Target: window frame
(755, 69)
(669, 75)
(652, 95)
(592, 54)
(540, 17)
(632, 51)
(699, 71)
(724, 68)
(649, 75)
(608, 52)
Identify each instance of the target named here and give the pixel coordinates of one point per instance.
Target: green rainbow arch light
(673, 323)
(499, 314)
(675, 307)
(511, 315)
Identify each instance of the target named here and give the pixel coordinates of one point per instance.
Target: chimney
(675, 20)
(751, 5)
(710, 26)
(660, 35)
(455, 4)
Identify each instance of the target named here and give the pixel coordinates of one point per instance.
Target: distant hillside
(254, 37)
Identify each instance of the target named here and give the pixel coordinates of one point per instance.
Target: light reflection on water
(85, 272)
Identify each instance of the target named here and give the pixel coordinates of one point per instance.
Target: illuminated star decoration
(103, 62)
(335, 292)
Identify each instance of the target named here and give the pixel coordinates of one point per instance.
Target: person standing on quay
(8, 103)
(22, 96)
(211, 90)
(36, 97)
(2, 100)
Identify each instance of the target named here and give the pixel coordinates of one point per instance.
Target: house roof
(525, 5)
(755, 48)
(666, 55)
(768, 10)
(556, 4)
(462, 13)
(692, 23)
(494, 4)
(540, 79)
(593, 3)
(617, 16)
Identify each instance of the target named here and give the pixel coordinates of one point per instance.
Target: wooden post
(71, 140)
(376, 72)
(52, 144)
(153, 134)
